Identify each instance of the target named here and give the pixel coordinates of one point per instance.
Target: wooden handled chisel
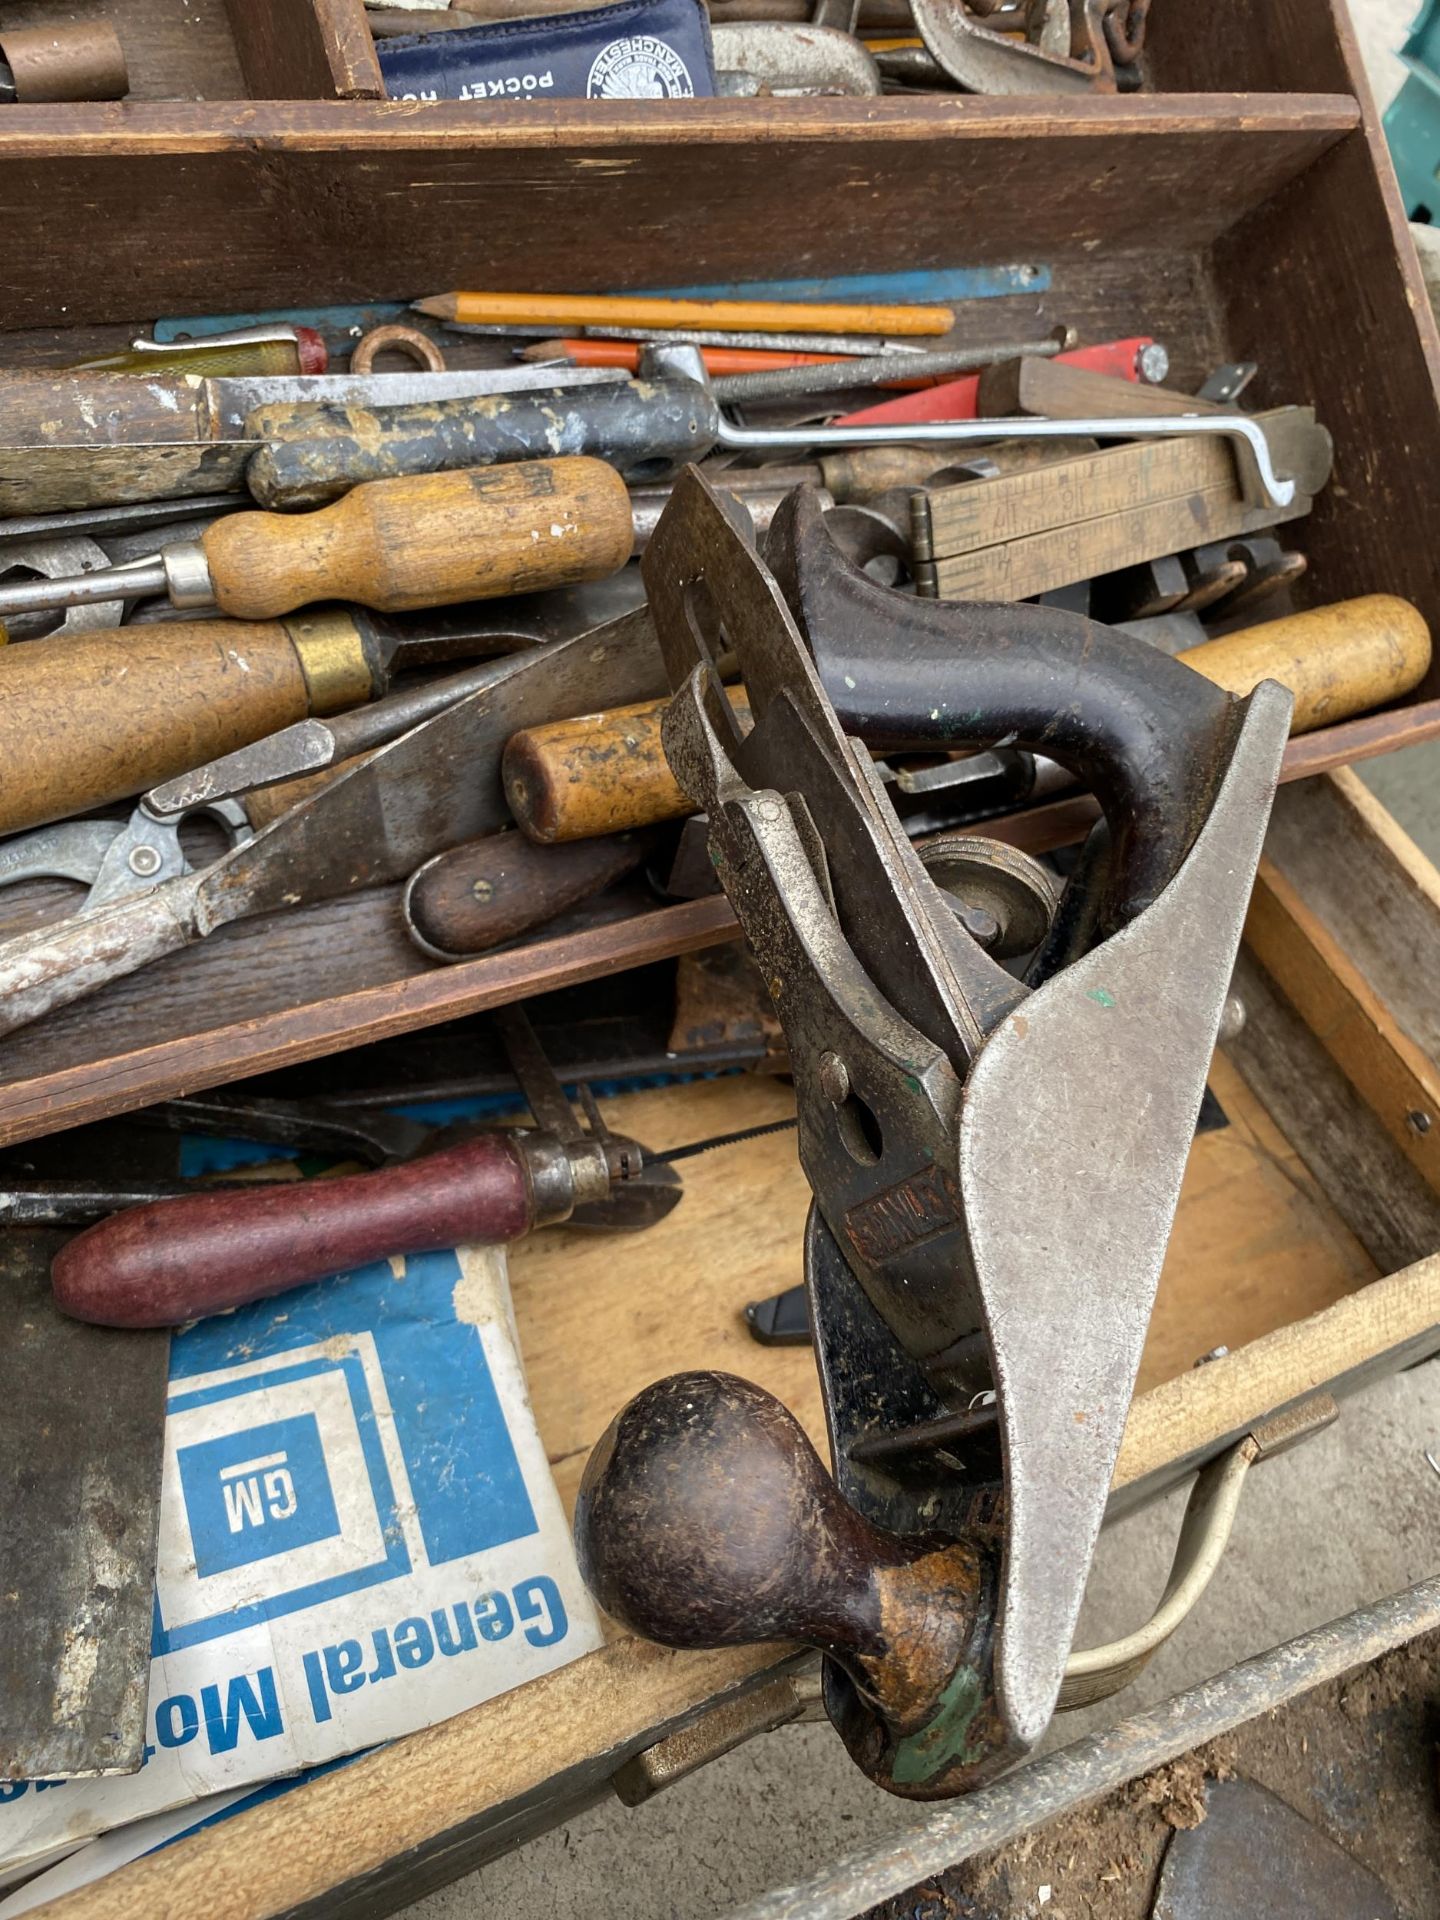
(95, 717)
(424, 540)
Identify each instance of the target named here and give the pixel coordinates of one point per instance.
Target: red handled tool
(176, 1260)
(960, 399)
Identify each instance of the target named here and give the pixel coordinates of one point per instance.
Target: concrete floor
(1353, 1515)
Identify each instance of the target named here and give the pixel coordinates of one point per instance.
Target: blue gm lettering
(533, 1606)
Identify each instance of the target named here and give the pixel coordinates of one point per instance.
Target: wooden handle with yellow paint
(1337, 661)
(607, 773)
(602, 773)
(95, 717)
(428, 540)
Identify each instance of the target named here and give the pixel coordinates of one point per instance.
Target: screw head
(1232, 1019)
(483, 891)
(144, 861)
(1418, 1121)
(834, 1079)
(1154, 363)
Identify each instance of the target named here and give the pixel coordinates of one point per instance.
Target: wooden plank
(305, 49)
(1321, 286)
(1139, 473)
(380, 199)
(1286, 43)
(1400, 1083)
(1016, 569)
(1407, 725)
(1366, 1178)
(1371, 888)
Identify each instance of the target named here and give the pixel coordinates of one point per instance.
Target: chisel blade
(433, 788)
(82, 1415)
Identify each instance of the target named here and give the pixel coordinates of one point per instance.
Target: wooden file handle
(494, 889)
(428, 540)
(1337, 661)
(95, 717)
(602, 773)
(177, 1260)
(607, 772)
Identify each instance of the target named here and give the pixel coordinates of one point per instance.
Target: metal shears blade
(113, 859)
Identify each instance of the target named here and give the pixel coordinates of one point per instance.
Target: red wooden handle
(177, 1260)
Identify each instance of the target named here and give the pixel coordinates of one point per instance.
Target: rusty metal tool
(995, 1159)
(71, 440)
(1069, 46)
(82, 1416)
(435, 786)
(422, 541)
(646, 428)
(178, 1259)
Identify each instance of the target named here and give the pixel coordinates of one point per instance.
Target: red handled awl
(177, 1260)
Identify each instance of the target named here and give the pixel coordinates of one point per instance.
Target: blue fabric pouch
(639, 50)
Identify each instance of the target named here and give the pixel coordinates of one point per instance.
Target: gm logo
(256, 1492)
(248, 1498)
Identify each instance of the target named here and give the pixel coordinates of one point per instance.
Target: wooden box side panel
(1275, 47)
(382, 200)
(305, 49)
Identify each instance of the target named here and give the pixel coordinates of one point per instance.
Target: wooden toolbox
(1256, 223)
(1242, 208)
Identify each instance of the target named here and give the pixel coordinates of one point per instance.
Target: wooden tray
(1305, 1243)
(1260, 224)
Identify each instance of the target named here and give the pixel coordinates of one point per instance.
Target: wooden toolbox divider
(1306, 1242)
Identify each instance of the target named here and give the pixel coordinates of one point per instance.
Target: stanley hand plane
(994, 1142)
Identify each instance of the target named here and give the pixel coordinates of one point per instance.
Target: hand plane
(997, 1084)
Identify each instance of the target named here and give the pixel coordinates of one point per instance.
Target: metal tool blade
(524, 622)
(435, 787)
(82, 1413)
(437, 634)
(233, 396)
(632, 1205)
(432, 789)
(1252, 1854)
(1076, 1122)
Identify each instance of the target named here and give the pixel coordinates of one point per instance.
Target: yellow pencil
(603, 310)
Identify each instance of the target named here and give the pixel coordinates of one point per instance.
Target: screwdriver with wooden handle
(421, 540)
(607, 773)
(105, 714)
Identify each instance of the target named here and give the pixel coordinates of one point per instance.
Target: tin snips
(994, 1144)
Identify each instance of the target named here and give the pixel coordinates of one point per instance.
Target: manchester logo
(639, 67)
